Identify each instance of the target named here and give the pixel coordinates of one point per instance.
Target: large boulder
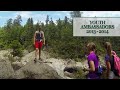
(74, 70)
(71, 69)
(70, 63)
(6, 70)
(36, 71)
(17, 65)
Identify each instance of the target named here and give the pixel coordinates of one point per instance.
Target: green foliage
(17, 48)
(60, 41)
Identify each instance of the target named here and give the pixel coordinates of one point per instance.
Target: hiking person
(109, 60)
(39, 41)
(93, 62)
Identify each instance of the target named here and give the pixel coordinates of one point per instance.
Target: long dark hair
(108, 48)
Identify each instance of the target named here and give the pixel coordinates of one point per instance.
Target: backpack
(39, 36)
(116, 63)
(99, 69)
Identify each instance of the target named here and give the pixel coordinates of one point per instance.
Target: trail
(57, 64)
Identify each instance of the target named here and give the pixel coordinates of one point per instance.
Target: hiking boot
(40, 59)
(35, 60)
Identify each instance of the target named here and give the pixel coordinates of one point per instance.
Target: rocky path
(57, 64)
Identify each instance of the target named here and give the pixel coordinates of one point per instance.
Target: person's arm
(92, 67)
(34, 38)
(108, 68)
(43, 38)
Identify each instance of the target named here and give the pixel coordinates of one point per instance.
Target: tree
(66, 20)
(47, 19)
(51, 21)
(9, 24)
(75, 14)
(59, 27)
(17, 48)
(30, 29)
(17, 21)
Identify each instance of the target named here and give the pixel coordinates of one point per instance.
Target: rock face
(27, 69)
(36, 71)
(17, 65)
(6, 70)
(71, 69)
(25, 52)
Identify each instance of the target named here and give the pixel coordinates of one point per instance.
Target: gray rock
(16, 58)
(17, 65)
(74, 72)
(71, 69)
(6, 70)
(25, 52)
(36, 71)
(71, 75)
(70, 63)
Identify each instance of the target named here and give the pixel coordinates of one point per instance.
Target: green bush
(1, 46)
(17, 48)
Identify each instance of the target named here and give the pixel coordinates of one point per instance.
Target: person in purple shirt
(93, 62)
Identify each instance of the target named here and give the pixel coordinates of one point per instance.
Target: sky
(41, 15)
(36, 15)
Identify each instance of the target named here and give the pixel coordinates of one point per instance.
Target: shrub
(17, 48)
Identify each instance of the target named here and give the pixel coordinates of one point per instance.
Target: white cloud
(23, 14)
(58, 14)
(101, 13)
(7, 17)
(35, 22)
(65, 11)
(1, 17)
(40, 17)
(4, 11)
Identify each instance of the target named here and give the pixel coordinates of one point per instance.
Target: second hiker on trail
(39, 41)
(110, 62)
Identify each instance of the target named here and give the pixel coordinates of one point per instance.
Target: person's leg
(111, 75)
(36, 51)
(40, 47)
(39, 53)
